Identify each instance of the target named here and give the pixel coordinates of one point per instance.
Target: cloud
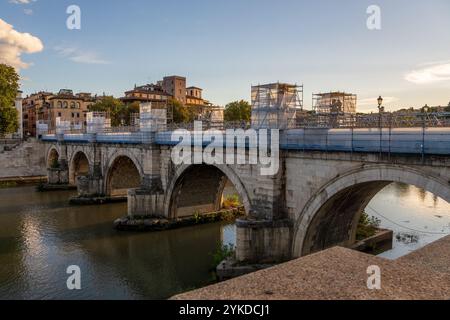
(430, 73)
(22, 1)
(79, 56)
(14, 43)
(28, 12)
(372, 102)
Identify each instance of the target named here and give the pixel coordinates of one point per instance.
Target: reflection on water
(41, 235)
(416, 216)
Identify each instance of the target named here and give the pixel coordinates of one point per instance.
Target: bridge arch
(53, 155)
(200, 188)
(79, 166)
(331, 216)
(123, 172)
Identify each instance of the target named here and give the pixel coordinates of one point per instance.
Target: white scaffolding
(152, 119)
(275, 105)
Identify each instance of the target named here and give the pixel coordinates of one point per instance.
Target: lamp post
(425, 110)
(380, 110)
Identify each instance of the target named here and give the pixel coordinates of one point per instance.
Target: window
(78, 105)
(59, 114)
(65, 105)
(72, 105)
(78, 115)
(59, 104)
(73, 115)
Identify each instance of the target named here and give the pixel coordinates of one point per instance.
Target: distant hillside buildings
(172, 87)
(47, 106)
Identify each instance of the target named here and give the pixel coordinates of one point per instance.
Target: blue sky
(226, 46)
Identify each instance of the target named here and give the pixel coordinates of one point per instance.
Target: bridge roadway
(387, 140)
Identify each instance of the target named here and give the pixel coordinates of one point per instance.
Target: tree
(9, 85)
(238, 111)
(118, 112)
(181, 113)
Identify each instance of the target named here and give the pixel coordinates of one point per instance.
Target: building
(68, 107)
(19, 108)
(147, 93)
(194, 97)
(31, 105)
(171, 87)
(176, 87)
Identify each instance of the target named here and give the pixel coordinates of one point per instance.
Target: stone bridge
(313, 202)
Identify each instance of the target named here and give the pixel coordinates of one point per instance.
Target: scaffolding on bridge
(275, 105)
(334, 108)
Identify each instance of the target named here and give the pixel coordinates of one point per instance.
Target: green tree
(116, 109)
(9, 85)
(181, 113)
(238, 111)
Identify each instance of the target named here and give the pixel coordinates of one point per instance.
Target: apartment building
(171, 87)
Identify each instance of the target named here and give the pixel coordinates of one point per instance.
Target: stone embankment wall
(24, 160)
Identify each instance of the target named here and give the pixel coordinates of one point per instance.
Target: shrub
(223, 252)
(367, 227)
(231, 202)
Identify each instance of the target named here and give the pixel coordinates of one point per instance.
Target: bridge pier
(59, 175)
(148, 200)
(263, 241)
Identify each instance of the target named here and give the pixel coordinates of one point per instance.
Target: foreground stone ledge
(380, 242)
(341, 274)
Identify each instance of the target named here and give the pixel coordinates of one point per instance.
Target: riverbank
(145, 223)
(11, 182)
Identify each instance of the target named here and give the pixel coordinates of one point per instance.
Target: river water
(41, 235)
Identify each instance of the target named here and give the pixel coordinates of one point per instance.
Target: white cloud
(433, 72)
(79, 56)
(28, 12)
(22, 1)
(373, 102)
(14, 43)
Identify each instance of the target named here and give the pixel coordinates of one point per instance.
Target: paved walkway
(340, 273)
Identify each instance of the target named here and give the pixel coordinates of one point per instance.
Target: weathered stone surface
(341, 274)
(318, 196)
(25, 160)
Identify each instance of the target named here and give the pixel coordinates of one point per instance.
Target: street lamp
(380, 110)
(380, 102)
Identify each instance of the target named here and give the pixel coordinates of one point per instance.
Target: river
(41, 235)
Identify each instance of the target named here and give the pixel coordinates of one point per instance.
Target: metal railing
(375, 120)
